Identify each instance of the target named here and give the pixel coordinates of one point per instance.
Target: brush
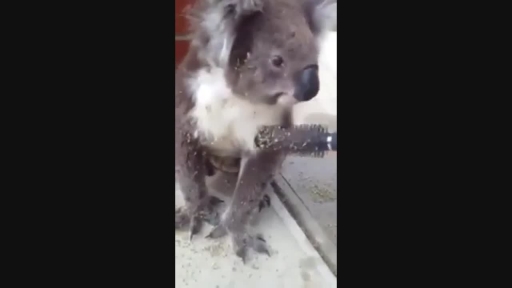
(304, 140)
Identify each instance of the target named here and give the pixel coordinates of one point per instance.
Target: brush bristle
(307, 140)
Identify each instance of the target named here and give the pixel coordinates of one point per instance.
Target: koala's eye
(230, 9)
(277, 61)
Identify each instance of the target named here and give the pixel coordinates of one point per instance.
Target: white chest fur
(227, 123)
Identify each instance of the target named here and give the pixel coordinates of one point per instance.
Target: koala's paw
(194, 218)
(264, 203)
(242, 242)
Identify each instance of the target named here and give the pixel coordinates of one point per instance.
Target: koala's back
(225, 123)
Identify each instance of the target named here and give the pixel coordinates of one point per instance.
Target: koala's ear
(322, 15)
(215, 21)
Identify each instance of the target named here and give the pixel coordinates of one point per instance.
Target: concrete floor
(294, 262)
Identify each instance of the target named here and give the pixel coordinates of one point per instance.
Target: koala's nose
(307, 83)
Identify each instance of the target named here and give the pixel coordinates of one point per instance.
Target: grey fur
(214, 21)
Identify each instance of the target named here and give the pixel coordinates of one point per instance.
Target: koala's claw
(183, 218)
(214, 201)
(195, 226)
(204, 212)
(217, 232)
(265, 202)
(243, 241)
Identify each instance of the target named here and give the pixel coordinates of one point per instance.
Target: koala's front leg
(190, 175)
(255, 174)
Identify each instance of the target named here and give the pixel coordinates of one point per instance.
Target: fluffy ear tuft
(214, 24)
(242, 8)
(323, 15)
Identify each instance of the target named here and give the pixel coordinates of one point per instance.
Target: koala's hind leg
(191, 171)
(229, 166)
(255, 175)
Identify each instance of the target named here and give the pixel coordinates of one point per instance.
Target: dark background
(89, 176)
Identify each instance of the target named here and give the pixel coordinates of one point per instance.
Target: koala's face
(268, 48)
(274, 56)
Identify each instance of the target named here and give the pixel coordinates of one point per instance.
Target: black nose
(307, 83)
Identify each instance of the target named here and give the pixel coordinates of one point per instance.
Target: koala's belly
(224, 164)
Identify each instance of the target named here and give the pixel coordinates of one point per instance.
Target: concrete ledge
(303, 240)
(303, 218)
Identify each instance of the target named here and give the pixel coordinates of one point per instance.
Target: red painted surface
(181, 48)
(180, 21)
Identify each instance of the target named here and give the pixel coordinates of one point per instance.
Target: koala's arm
(255, 174)
(189, 156)
(190, 166)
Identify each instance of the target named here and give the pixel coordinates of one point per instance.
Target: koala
(249, 62)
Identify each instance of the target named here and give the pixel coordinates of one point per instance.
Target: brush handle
(305, 140)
